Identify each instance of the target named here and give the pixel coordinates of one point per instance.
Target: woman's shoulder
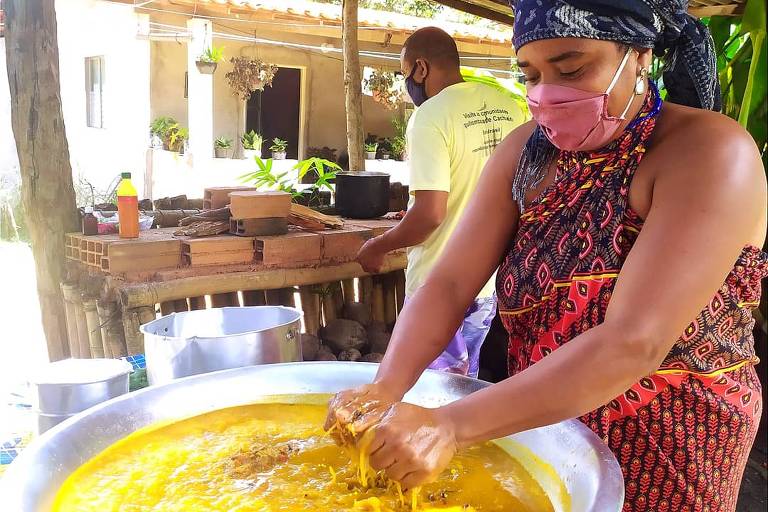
(707, 144)
(708, 134)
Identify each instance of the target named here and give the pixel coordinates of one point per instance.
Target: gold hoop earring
(640, 84)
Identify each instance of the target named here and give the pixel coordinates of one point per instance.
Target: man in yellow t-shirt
(449, 137)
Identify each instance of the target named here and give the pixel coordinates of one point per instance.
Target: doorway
(275, 111)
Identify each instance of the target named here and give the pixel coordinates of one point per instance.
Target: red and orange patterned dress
(682, 435)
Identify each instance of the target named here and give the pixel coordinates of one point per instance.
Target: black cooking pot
(362, 195)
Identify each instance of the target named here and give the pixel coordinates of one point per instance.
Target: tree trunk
(353, 90)
(48, 195)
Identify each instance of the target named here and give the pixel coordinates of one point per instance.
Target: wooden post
(390, 303)
(353, 90)
(281, 297)
(254, 298)
(338, 297)
(48, 197)
(132, 320)
(166, 308)
(94, 330)
(366, 289)
(197, 303)
(377, 300)
(112, 332)
(180, 305)
(224, 300)
(348, 286)
(68, 291)
(310, 304)
(329, 306)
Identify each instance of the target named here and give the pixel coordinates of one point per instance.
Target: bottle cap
(125, 175)
(89, 209)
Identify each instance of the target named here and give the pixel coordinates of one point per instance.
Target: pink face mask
(576, 120)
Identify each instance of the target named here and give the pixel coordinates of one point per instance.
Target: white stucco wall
(89, 28)
(323, 100)
(9, 163)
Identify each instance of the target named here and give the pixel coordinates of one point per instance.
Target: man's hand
(371, 255)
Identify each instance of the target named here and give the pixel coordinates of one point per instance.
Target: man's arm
(430, 180)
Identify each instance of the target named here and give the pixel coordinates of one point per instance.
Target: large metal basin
(574, 467)
(208, 340)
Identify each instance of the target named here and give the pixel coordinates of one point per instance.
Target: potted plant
(208, 61)
(385, 88)
(158, 131)
(316, 196)
(278, 148)
(174, 138)
(222, 146)
(252, 143)
(370, 150)
(249, 75)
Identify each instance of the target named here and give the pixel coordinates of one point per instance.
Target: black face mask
(417, 91)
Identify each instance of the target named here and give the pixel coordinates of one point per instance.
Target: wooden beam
(48, 195)
(145, 294)
(483, 8)
(717, 10)
(353, 89)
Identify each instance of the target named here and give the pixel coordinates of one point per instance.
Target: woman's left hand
(412, 444)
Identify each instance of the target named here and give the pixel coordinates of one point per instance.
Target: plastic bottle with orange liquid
(128, 207)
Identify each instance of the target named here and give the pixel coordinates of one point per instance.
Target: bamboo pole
(146, 294)
(132, 320)
(68, 291)
(82, 327)
(310, 304)
(112, 332)
(390, 302)
(348, 287)
(254, 298)
(353, 93)
(95, 341)
(400, 289)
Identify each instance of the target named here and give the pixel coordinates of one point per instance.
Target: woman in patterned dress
(628, 230)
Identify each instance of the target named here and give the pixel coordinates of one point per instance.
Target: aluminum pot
(73, 385)
(362, 195)
(575, 468)
(208, 340)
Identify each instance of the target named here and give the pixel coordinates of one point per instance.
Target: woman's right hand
(361, 407)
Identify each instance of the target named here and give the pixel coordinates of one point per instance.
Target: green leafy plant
(398, 142)
(325, 170)
(742, 62)
(161, 125)
(278, 145)
(371, 147)
(223, 143)
(252, 140)
(264, 177)
(212, 54)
